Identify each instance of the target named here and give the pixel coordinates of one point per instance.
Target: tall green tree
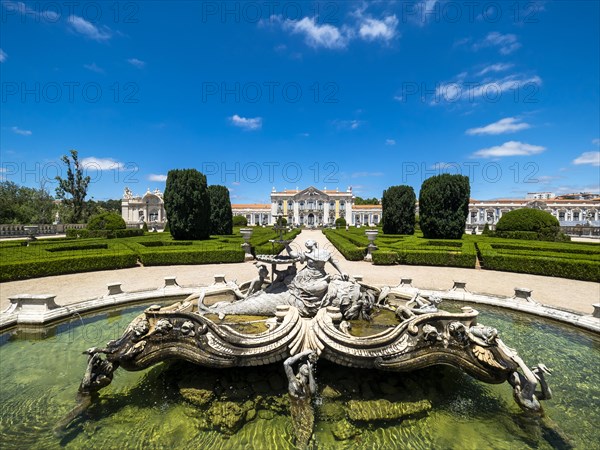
(444, 206)
(25, 205)
(187, 204)
(365, 201)
(221, 216)
(75, 185)
(398, 210)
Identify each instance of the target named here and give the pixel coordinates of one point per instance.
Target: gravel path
(560, 292)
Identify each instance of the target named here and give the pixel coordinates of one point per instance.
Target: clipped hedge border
(108, 234)
(65, 248)
(61, 266)
(350, 251)
(575, 269)
(384, 258)
(192, 257)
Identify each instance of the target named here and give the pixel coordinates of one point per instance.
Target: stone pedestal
(405, 282)
(460, 286)
(523, 294)
(171, 282)
(219, 280)
(596, 312)
(31, 304)
(114, 288)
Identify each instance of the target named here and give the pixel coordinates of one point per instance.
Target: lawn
(558, 259)
(49, 257)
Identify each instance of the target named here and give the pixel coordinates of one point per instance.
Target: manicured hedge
(192, 257)
(109, 234)
(384, 258)
(350, 251)
(540, 264)
(59, 266)
(65, 248)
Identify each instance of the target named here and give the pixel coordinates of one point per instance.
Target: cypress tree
(398, 210)
(187, 204)
(221, 216)
(444, 206)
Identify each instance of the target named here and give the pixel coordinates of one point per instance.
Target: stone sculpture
(306, 316)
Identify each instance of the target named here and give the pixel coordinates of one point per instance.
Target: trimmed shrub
(444, 205)
(398, 210)
(59, 266)
(109, 234)
(158, 258)
(384, 258)
(145, 227)
(486, 229)
(545, 226)
(187, 204)
(340, 222)
(66, 248)
(240, 221)
(350, 251)
(221, 217)
(106, 221)
(282, 221)
(167, 228)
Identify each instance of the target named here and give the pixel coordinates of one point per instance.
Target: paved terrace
(560, 292)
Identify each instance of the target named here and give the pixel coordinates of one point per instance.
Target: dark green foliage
(84, 234)
(443, 206)
(398, 205)
(187, 204)
(540, 261)
(384, 258)
(240, 221)
(44, 268)
(486, 229)
(167, 228)
(106, 221)
(340, 222)
(192, 256)
(221, 217)
(74, 185)
(23, 205)
(350, 251)
(365, 201)
(145, 227)
(544, 224)
(282, 221)
(71, 247)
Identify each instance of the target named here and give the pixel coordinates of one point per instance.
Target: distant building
(149, 208)
(316, 207)
(539, 195)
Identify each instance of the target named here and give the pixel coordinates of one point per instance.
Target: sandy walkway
(561, 292)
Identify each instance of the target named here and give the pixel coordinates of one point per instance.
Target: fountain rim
(14, 319)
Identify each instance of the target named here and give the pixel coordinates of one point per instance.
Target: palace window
(575, 215)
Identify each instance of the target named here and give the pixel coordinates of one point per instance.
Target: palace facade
(316, 207)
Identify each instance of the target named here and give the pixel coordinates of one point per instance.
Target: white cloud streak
(21, 132)
(137, 63)
(3, 56)
(510, 148)
(93, 163)
(507, 125)
(157, 177)
(505, 43)
(254, 123)
(588, 158)
(88, 29)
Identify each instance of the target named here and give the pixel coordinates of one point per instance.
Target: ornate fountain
(307, 316)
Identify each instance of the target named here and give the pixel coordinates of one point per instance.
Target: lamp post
(247, 234)
(371, 235)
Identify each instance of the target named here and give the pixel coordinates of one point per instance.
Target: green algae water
(179, 405)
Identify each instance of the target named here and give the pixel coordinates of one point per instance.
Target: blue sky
(289, 94)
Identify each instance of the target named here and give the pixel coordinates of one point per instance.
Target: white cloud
(17, 130)
(315, 35)
(506, 43)
(137, 63)
(89, 30)
(347, 124)
(510, 148)
(592, 158)
(93, 163)
(366, 174)
(596, 141)
(157, 177)
(507, 125)
(94, 68)
(3, 56)
(486, 89)
(254, 123)
(371, 29)
(500, 67)
(390, 142)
